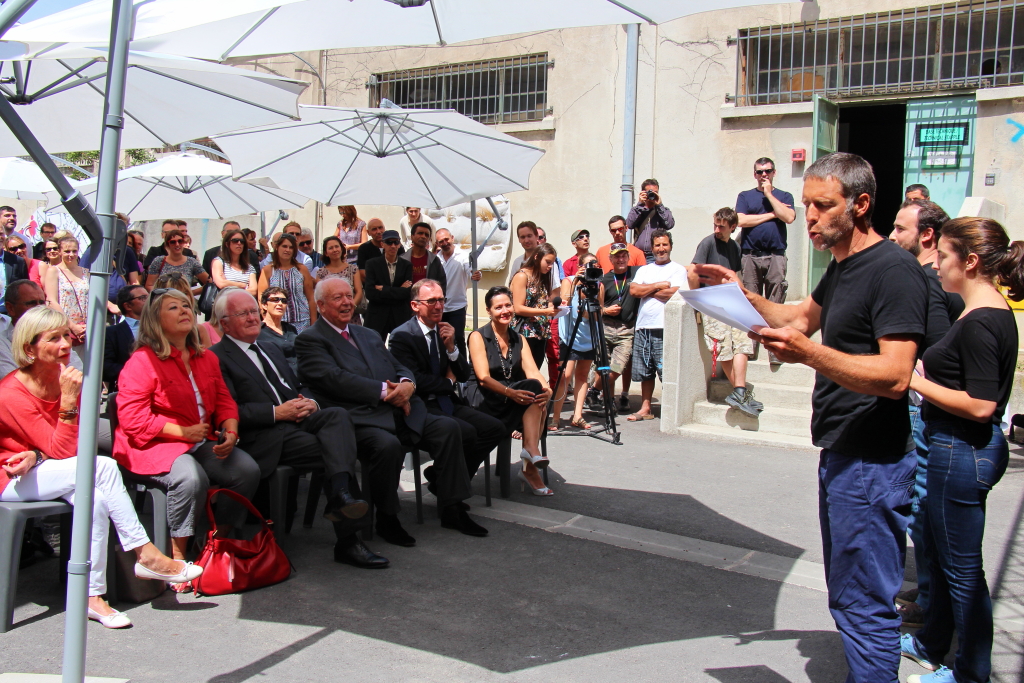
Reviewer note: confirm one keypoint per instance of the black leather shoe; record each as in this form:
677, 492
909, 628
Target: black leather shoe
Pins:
358, 555
454, 517
343, 506
391, 531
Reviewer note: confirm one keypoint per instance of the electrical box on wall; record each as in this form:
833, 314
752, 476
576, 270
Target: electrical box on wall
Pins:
798, 155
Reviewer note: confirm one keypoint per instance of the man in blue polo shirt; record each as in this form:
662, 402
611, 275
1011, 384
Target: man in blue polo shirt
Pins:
764, 213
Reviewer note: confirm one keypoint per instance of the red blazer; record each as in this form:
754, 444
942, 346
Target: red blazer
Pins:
153, 392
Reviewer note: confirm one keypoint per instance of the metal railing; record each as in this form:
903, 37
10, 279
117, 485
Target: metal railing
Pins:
956, 46
493, 91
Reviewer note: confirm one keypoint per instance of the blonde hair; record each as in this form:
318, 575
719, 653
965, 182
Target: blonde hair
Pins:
30, 326
151, 332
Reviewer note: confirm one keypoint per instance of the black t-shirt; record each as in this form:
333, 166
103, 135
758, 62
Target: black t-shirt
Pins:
616, 287
874, 293
979, 356
943, 310
715, 251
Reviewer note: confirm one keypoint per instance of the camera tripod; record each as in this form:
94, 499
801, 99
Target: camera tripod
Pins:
608, 432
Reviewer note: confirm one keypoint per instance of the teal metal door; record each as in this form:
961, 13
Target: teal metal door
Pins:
825, 127
940, 148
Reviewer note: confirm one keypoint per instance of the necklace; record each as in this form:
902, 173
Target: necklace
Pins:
506, 371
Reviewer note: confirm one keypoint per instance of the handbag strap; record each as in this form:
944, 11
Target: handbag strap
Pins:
237, 497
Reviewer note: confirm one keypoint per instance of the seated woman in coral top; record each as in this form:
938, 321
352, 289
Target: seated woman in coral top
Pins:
172, 407
38, 446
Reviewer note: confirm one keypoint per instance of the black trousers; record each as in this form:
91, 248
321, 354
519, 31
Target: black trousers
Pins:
457, 319
481, 433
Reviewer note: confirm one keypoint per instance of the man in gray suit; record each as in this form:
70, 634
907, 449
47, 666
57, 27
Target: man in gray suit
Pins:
348, 366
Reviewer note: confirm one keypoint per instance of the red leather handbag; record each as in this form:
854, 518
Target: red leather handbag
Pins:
233, 566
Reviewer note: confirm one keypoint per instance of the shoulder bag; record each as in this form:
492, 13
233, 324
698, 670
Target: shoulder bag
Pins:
232, 566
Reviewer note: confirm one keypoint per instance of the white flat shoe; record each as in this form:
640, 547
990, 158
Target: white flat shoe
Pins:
113, 620
535, 460
544, 491
188, 573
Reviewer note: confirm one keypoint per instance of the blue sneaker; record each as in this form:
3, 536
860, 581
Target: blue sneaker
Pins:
943, 675
910, 649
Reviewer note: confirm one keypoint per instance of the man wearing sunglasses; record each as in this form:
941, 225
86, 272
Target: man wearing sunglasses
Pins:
387, 287
20, 296
15, 266
120, 339
306, 245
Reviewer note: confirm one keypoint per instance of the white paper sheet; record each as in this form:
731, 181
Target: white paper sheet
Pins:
562, 312
726, 303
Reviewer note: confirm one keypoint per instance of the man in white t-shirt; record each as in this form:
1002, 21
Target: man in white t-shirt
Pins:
654, 284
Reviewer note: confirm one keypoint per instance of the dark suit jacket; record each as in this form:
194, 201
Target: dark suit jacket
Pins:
117, 349
16, 268
262, 436
409, 346
389, 306
340, 375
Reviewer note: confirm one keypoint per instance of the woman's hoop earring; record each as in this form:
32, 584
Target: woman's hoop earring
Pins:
31, 359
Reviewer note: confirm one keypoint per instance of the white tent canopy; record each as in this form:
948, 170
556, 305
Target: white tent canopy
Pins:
20, 179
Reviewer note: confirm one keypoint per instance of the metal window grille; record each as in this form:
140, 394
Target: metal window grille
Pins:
955, 46
493, 91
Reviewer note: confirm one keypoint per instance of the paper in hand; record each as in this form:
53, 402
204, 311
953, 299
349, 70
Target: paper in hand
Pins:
726, 303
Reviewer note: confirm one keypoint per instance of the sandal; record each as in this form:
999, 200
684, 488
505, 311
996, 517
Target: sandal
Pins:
554, 425
638, 418
580, 423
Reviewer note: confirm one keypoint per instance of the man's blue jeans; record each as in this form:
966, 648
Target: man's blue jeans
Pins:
919, 509
864, 509
962, 469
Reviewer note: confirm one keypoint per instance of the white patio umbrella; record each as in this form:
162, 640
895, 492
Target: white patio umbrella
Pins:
169, 99
403, 157
20, 179
186, 185
325, 24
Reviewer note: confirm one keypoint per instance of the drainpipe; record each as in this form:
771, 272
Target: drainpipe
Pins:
629, 118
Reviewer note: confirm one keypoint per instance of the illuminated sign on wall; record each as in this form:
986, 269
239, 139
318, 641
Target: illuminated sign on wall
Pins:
942, 134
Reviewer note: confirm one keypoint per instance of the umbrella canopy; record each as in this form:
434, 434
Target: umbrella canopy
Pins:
326, 24
169, 100
21, 179
189, 186
402, 157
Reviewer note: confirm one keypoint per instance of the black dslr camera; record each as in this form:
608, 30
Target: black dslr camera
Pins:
591, 276
652, 196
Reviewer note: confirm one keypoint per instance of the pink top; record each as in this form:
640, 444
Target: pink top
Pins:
215, 336
33, 271
28, 422
154, 392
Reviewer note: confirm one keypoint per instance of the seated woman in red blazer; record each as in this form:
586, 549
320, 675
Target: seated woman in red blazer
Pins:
38, 449
172, 406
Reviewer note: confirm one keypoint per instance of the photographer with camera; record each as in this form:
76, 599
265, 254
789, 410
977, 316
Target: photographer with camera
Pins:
648, 216
579, 349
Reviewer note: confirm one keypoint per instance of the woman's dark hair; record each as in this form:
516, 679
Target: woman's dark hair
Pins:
323, 250
533, 265
272, 290
285, 237
225, 250
496, 291
998, 257
172, 234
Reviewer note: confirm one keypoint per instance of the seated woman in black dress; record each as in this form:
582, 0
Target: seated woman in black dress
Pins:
511, 387
274, 329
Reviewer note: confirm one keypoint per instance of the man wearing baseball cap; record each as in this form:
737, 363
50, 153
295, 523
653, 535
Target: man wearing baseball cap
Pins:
388, 285
581, 240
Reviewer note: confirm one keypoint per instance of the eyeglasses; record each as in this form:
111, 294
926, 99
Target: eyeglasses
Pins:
236, 240
140, 296
393, 243
431, 302
306, 243
277, 299
32, 303
245, 314
764, 171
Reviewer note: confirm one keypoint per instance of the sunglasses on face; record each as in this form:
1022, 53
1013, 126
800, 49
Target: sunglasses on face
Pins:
306, 243
393, 243
175, 242
236, 240
764, 171
277, 299
53, 249
20, 247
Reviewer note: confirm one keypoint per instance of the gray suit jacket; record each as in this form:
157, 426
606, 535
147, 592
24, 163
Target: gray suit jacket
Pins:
340, 375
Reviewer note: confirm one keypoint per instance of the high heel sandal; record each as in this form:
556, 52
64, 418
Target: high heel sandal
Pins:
535, 460
543, 491
580, 423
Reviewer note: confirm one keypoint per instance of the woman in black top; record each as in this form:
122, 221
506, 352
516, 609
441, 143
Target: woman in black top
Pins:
274, 329
511, 387
966, 385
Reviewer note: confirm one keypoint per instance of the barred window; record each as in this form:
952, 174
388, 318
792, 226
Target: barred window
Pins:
956, 46
492, 91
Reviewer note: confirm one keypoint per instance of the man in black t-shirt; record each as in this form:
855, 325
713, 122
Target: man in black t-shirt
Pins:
871, 309
916, 229
727, 344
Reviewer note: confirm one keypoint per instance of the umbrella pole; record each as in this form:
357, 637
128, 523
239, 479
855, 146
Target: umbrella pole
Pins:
81, 534
472, 258
629, 119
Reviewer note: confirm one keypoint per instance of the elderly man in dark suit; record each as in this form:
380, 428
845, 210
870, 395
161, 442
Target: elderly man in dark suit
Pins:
280, 426
120, 339
387, 286
427, 346
348, 366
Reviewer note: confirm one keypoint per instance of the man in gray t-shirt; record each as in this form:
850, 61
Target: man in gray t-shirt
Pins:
727, 344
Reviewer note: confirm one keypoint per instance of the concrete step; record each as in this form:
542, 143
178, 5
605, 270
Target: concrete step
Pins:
771, 395
761, 372
790, 421
739, 436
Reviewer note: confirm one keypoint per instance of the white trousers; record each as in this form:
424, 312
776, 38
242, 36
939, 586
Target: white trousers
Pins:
54, 479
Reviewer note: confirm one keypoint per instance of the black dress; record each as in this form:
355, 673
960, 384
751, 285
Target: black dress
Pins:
509, 371
285, 342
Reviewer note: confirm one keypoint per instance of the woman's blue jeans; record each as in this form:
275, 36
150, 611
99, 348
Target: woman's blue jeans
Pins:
962, 468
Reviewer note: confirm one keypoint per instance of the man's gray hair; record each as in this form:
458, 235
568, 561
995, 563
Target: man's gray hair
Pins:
318, 291
853, 173
305, 232
414, 293
220, 305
